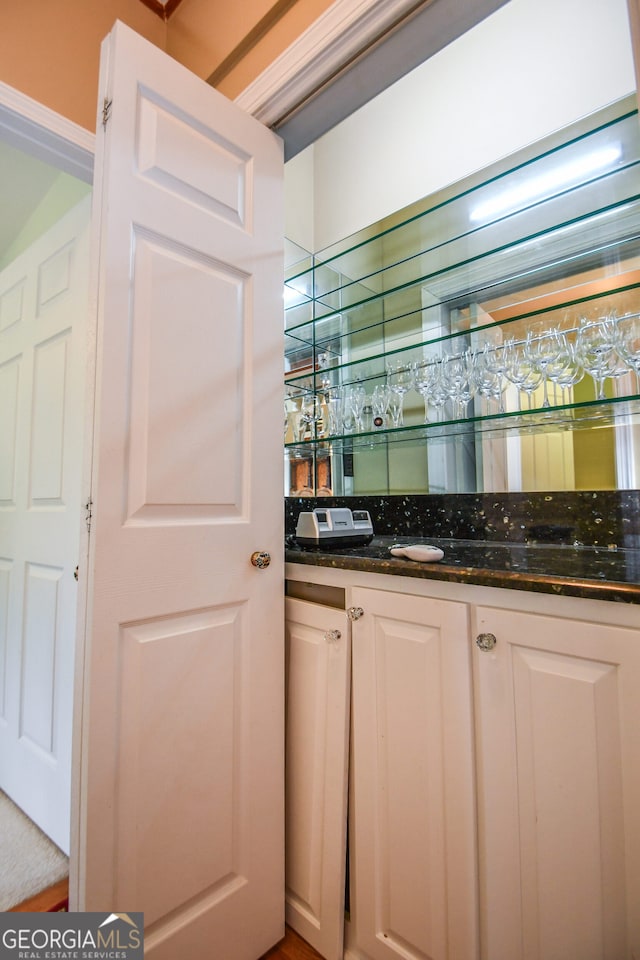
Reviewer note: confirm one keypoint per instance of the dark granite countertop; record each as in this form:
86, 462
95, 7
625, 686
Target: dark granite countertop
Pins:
593, 572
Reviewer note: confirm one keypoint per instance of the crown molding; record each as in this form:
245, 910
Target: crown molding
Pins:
48, 135
332, 41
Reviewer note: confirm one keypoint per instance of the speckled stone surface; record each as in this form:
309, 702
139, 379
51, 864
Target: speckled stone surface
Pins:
584, 518
584, 544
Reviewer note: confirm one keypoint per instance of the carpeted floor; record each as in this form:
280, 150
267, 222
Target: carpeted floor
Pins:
29, 861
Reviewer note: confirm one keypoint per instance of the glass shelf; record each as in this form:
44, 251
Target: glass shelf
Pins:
589, 172
611, 412
551, 236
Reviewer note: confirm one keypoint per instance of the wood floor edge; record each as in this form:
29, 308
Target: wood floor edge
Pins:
52, 900
293, 947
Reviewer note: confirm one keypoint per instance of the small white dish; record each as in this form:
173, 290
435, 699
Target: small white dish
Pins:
422, 552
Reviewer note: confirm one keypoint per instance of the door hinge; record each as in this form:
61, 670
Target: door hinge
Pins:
106, 111
88, 514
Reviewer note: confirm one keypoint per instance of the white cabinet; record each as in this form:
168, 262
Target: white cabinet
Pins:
558, 735
412, 834
494, 794
316, 752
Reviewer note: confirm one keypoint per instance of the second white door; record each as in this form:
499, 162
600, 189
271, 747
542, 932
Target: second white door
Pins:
43, 315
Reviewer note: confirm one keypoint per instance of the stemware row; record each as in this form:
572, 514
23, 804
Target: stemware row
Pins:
551, 359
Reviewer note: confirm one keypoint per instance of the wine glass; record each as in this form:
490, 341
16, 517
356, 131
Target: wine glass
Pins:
380, 404
521, 372
400, 381
457, 381
531, 380
395, 407
488, 382
565, 371
437, 395
354, 402
542, 347
497, 361
596, 349
428, 383
311, 416
298, 424
628, 340
334, 404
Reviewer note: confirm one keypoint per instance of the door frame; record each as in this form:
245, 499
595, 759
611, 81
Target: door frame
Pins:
34, 128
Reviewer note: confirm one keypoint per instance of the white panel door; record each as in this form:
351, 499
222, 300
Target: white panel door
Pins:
181, 807
43, 313
318, 658
412, 813
558, 723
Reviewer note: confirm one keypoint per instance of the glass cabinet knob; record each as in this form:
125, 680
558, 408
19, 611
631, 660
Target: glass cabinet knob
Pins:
354, 613
486, 641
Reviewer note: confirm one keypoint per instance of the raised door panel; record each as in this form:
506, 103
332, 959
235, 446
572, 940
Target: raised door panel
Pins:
9, 396
180, 802
413, 888
558, 788
317, 736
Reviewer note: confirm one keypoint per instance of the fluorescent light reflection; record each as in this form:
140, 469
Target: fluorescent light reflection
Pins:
293, 297
536, 187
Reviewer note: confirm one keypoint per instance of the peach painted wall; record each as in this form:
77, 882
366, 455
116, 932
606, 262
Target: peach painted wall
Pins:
50, 49
202, 33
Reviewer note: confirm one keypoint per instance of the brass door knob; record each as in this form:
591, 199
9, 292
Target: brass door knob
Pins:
260, 559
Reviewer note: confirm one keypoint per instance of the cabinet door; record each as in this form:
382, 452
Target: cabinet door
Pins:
558, 722
317, 734
412, 835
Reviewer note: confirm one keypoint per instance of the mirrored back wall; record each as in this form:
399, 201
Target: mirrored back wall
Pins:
487, 339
